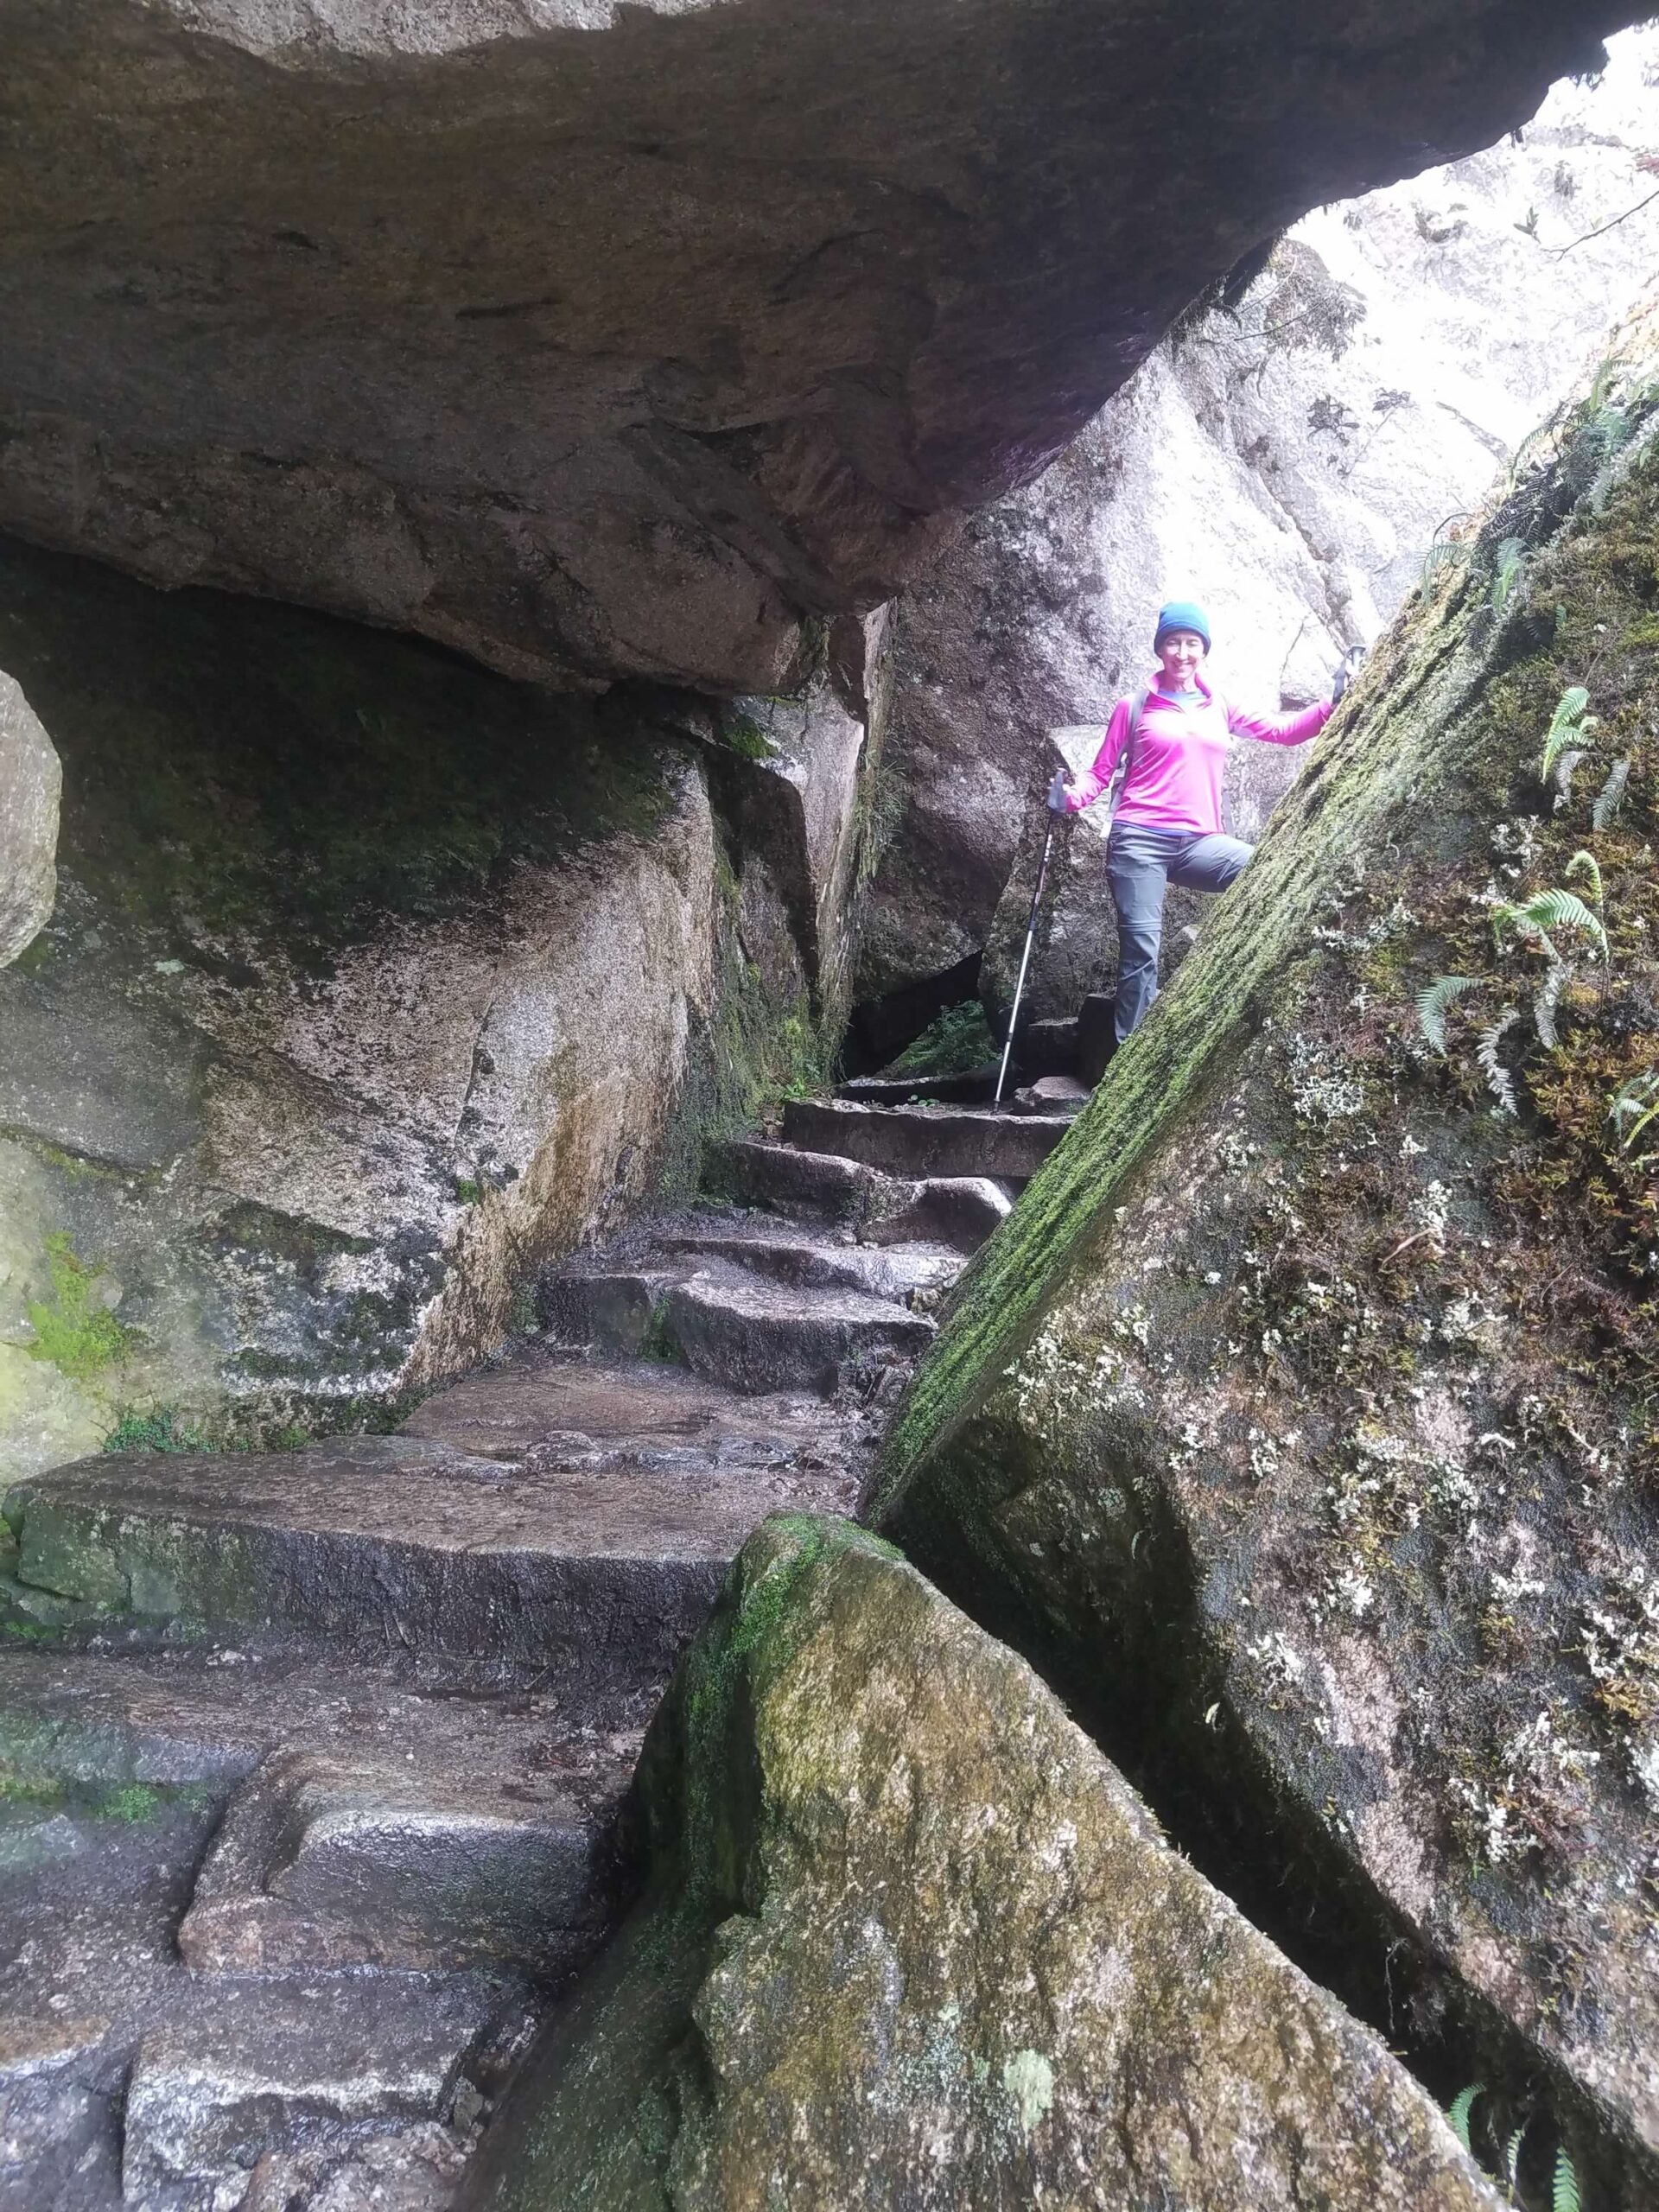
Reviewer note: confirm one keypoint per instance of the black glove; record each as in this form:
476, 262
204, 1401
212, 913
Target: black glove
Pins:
1057, 792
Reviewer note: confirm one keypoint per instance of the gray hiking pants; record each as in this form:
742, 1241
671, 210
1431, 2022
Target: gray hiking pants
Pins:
1139, 861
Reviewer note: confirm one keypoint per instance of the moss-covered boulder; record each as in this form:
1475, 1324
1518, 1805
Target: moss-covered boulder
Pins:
911, 1941
373, 982
1302, 1421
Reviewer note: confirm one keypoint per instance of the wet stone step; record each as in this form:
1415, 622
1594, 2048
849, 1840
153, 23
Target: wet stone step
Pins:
958, 1210
327, 1862
257, 2067
544, 1403
399, 1545
757, 1337
804, 1185
924, 1140
895, 1273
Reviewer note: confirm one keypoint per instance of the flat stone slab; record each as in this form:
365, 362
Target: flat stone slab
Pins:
756, 1336
330, 1862
924, 1140
261, 2068
960, 1210
893, 1273
542, 1404
804, 1183
395, 1544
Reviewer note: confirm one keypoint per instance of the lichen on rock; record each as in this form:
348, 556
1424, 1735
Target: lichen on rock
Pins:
910, 1939
1310, 1389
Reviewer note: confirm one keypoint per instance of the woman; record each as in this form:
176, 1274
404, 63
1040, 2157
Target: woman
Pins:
1167, 826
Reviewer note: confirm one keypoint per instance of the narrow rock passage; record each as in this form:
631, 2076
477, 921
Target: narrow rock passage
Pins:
311, 1762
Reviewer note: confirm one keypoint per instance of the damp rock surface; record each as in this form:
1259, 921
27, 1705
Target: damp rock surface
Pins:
1304, 1396
912, 1938
604, 341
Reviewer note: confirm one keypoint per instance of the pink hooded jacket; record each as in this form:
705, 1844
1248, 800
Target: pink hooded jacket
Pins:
1174, 778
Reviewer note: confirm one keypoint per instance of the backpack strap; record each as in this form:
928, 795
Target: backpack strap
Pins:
1126, 766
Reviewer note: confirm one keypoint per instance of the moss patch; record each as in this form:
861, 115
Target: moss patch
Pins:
73, 1328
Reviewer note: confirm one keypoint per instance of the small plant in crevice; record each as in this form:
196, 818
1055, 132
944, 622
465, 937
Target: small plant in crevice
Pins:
955, 1042
1570, 725
1503, 2162
1507, 567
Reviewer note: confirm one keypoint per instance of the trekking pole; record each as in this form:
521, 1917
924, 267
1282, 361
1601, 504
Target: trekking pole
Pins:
1056, 800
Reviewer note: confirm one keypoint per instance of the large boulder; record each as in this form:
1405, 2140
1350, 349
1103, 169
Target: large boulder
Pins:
911, 1940
1287, 461
1300, 1421
601, 339
374, 982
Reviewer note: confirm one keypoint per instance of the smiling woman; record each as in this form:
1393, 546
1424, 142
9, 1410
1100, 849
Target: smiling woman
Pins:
1166, 748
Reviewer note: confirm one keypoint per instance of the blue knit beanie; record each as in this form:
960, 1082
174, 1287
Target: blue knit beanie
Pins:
1181, 615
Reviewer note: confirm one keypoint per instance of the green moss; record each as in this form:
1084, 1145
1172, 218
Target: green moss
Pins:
467, 1192
745, 737
162, 1429
73, 1329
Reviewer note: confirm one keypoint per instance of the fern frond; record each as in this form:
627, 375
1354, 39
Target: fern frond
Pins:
1568, 723
1444, 553
1637, 1102
1497, 1076
1564, 2189
1545, 911
1546, 1001
1566, 769
1457, 2113
1506, 571
1584, 863
1512, 2158
1611, 795
1431, 1003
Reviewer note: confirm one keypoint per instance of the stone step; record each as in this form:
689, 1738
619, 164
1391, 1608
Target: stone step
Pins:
584, 1576
1060, 1094
924, 1140
973, 1089
754, 1336
328, 1862
804, 1185
255, 2069
958, 1210
896, 1271
543, 1402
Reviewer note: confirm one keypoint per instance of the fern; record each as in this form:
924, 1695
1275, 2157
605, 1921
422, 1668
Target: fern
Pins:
1547, 909
1512, 2159
1433, 1000
1497, 1076
1564, 2189
1444, 553
1458, 2111
1506, 572
1546, 1001
1611, 795
1568, 723
1584, 863
1637, 1102
1566, 769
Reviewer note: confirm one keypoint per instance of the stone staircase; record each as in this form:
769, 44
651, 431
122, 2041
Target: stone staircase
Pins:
310, 1763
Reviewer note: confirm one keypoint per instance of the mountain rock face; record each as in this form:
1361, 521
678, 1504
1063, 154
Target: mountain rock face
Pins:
604, 341
373, 982
911, 1940
1288, 462
1300, 1421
